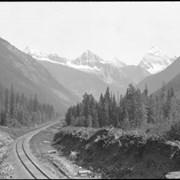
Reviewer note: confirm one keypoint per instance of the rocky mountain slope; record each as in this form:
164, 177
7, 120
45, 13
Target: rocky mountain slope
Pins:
154, 82
155, 60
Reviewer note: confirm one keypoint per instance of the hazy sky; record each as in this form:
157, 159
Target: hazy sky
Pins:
125, 30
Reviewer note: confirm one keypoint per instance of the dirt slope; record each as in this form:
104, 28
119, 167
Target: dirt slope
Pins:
124, 156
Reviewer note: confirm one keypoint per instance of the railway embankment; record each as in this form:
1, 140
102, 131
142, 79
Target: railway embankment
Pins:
113, 153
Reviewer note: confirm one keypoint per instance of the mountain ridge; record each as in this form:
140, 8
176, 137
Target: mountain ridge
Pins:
28, 76
155, 81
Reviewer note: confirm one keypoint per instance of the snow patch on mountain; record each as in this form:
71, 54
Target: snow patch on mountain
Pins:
155, 60
52, 57
34, 52
84, 68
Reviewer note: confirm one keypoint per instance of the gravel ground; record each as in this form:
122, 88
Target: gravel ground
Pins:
6, 167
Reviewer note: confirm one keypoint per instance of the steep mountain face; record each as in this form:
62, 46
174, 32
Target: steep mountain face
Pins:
28, 76
94, 61
154, 82
88, 59
77, 81
155, 61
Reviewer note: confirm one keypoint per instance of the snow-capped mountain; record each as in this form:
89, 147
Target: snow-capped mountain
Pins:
155, 81
87, 62
90, 73
155, 60
110, 71
88, 59
94, 61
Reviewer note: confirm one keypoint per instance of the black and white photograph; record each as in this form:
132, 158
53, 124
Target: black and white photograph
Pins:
90, 90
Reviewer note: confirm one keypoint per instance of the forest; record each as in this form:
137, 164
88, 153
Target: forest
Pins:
17, 110
158, 112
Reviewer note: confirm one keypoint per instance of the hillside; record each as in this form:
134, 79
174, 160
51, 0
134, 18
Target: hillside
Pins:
175, 84
28, 76
77, 81
115, 154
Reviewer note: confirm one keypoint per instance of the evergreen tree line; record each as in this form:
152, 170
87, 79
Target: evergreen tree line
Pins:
133, 110
16, 110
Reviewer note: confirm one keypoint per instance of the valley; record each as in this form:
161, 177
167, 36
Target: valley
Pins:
89, 90
85, 79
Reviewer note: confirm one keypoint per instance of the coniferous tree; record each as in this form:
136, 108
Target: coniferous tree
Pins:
12, 101
114, 112
101, 114
6, 101
106, 109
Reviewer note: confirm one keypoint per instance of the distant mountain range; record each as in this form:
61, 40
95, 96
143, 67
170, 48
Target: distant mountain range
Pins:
62, 82
90, 73
28, 76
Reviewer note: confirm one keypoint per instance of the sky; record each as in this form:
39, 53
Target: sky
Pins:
125, 30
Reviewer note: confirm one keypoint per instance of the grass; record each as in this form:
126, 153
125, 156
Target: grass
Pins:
116, 133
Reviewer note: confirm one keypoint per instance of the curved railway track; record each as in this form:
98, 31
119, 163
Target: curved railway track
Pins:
33, 168
28, 163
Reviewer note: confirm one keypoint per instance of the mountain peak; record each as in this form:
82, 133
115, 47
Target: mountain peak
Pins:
155, 60
88, 59
34, 52
154, 50
88, 52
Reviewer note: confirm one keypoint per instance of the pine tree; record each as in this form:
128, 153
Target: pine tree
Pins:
89, 121
35, 103
151, 110
106, 107
101, 114
93, 111
114, 112
12, 101
3, 118
173, 112
6, 101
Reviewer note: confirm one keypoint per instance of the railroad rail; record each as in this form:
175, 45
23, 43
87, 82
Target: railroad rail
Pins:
28, 163
33, 168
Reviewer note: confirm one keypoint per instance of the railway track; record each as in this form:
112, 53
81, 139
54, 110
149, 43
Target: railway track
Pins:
30, 164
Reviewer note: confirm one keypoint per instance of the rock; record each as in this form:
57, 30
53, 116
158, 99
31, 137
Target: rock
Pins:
173, 175
84, 172
52, 151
